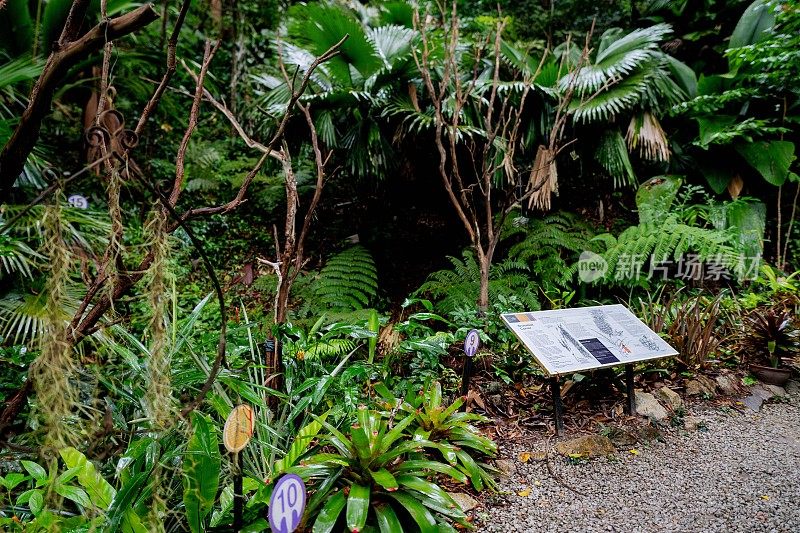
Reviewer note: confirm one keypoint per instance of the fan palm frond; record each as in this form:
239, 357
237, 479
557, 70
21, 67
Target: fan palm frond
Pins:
393, 43
646, 134
612, 155
16, 256
320, 26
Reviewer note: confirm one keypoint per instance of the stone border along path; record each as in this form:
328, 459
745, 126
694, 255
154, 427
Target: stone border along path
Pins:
740, 471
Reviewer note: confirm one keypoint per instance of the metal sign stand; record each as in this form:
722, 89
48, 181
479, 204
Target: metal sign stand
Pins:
471, 344
558, 404
238, 497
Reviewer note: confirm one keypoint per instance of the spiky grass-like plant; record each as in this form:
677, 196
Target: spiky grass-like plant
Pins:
53, 371
159, 401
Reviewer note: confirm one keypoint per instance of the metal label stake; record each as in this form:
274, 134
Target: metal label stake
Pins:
471, 345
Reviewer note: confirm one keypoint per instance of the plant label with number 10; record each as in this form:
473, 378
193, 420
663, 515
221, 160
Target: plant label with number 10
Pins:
471, 343
238, 428
287, 503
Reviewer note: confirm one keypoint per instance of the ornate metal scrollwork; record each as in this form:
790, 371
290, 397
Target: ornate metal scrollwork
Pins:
110, 131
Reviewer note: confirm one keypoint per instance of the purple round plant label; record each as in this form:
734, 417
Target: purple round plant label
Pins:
287, 503
471, 343
78, 201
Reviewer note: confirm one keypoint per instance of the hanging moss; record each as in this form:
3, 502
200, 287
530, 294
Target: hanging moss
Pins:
159, 401
54, 369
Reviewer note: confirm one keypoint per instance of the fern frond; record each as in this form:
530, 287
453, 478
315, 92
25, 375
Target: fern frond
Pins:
348, 281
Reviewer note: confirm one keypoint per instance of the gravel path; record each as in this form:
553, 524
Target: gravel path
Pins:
742, 473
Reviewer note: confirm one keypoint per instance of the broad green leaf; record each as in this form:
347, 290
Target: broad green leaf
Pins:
385, 479
395, 433
358, 435
299, 445
387, 519
418, 467
124, 499
36, 502
36, 471
756, 19
201, 468
421, 515
11, 480
772, 159
322, 492
374, 325
100, 491
655, 196
131, 523
433, 496
712, 127
75, 494
357, 507
326, 520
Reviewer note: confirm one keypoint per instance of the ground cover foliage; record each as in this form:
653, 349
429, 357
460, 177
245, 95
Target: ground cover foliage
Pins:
305, 207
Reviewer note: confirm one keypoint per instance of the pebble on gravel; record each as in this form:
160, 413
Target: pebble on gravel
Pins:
647, 405
701, 386
728, 384
588, 446
464, 501
507, 468
669, 397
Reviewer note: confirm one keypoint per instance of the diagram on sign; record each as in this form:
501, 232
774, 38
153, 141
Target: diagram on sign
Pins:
569, 340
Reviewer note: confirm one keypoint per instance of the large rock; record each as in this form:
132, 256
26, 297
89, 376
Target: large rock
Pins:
464, 501
753, 402
777, 392
670, 398
587, 446
647, 405
728, 384
701, 386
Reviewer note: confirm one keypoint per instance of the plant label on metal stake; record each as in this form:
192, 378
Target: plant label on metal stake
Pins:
76, 200
472, 343
238, 428
287, 504
236, 434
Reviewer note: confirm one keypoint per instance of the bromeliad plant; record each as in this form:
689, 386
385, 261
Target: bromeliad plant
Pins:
450, 428
772, 335
378, 474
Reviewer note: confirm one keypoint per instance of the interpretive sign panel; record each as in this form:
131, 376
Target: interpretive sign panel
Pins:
571, 340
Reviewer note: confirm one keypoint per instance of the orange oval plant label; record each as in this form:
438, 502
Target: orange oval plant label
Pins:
238, 428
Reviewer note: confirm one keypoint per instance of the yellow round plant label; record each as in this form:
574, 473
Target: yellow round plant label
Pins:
238, 428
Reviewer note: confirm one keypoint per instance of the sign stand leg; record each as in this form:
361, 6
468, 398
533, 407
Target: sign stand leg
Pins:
465, 377
238, 508
558, 406
631, 407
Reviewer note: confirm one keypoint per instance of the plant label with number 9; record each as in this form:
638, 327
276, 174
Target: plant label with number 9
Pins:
287, 503
471, 343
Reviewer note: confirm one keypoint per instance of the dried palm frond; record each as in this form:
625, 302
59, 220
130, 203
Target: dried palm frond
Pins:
646, 134
544, 172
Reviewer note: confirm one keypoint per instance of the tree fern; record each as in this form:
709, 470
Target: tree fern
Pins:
666, 241
459, 287
549, 247
348, 281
